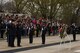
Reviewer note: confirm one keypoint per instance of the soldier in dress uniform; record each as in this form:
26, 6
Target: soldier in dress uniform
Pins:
31, 33
73, 27
19, 33
44, 29
11, 31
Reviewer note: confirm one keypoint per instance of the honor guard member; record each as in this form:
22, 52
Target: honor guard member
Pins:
11, 31
19, 33
43, 33
73, 27
31, 33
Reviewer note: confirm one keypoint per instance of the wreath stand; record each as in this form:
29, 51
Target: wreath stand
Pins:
63, 41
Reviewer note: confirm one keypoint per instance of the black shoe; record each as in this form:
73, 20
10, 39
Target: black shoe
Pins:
12, 46
9, 46
74, 40
43, 43
19, 46
31, 42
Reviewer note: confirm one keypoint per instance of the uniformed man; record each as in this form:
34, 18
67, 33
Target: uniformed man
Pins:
43, 33
19, 33
11, 31
31, 33
73, 31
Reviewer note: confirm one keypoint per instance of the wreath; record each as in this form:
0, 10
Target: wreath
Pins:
63, 35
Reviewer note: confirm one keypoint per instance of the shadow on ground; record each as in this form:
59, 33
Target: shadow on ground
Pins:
33, 47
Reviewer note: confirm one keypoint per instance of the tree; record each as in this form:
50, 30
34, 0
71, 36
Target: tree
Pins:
19, 5
9, 7
1, 5
68, 13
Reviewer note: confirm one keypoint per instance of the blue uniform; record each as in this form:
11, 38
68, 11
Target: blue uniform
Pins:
31, 33
43, 34
19, 34
74, 32
11, 31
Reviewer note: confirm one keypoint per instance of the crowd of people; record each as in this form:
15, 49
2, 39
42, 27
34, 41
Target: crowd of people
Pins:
16, 26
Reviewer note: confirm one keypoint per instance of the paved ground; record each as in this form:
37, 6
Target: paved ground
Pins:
52, 46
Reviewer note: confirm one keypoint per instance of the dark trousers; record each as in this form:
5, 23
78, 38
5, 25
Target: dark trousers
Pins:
74, 37
11, 39
2, 33
18, 40
30, 38
43, 38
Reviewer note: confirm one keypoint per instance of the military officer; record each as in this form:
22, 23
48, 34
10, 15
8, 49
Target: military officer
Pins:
73, 26
19, 33
31, 33
11, 31
44, 29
